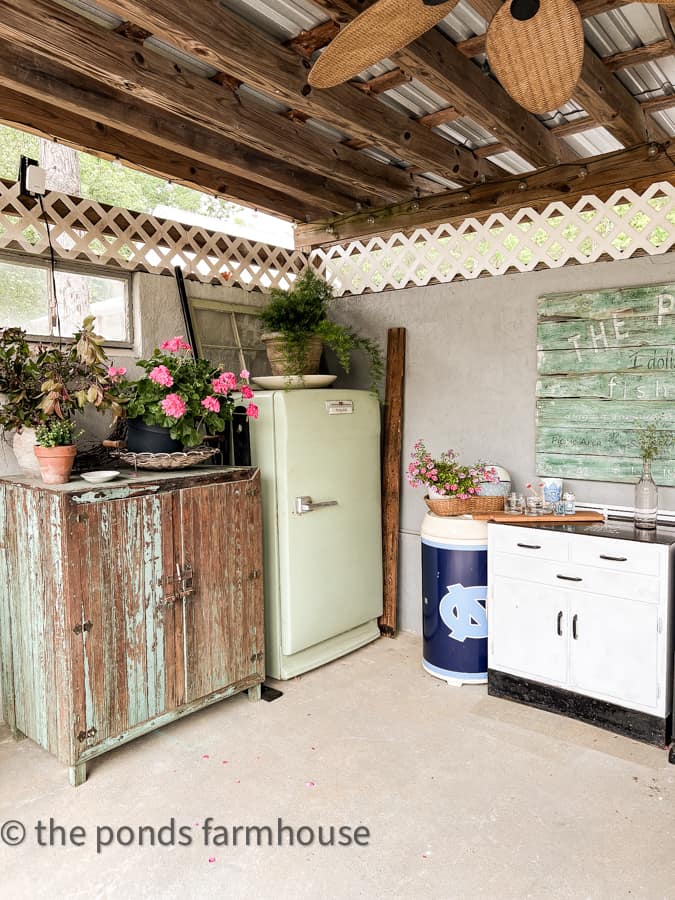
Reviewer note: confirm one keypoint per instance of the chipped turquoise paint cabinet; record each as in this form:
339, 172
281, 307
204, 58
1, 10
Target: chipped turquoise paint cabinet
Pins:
126, 607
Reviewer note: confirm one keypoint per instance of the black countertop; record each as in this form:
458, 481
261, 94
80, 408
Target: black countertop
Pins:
614, 528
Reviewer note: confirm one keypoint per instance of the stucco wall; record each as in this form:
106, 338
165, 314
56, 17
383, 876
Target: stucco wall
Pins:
471, 376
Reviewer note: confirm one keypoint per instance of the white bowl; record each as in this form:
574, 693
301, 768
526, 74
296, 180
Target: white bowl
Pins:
99, 477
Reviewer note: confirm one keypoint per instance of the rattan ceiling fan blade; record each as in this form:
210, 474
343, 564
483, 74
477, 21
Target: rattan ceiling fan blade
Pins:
376, 33
537, 58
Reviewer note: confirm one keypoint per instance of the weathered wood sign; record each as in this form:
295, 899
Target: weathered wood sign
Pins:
606, 365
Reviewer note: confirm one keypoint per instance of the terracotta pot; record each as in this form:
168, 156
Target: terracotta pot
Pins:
23, 445
56, 463
275, 343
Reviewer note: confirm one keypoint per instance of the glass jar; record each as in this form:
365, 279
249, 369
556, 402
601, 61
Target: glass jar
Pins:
646, 498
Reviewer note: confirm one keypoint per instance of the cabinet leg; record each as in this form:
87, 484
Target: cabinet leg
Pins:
254, 693
77, 775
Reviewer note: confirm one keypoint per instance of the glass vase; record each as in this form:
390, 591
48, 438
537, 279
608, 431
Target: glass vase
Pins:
646, 498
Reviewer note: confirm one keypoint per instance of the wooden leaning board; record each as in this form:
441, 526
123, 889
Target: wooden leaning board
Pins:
515, 519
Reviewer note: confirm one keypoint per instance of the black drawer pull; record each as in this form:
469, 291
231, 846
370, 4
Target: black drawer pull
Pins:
575, 633
559, 628
569, 578
530, 546
614, 558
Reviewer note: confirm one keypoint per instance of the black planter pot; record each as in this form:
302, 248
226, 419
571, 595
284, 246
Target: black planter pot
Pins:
142, 438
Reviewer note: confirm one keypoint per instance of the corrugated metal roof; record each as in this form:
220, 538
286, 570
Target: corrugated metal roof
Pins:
281, 18
623, 29
593, 142
512, 162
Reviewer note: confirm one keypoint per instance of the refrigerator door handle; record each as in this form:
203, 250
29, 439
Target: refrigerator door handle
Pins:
306, 505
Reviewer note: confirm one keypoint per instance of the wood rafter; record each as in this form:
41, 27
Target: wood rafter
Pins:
638, 55
308, 42
440, 117
435, 62
219, 37
149, 76
85, 134
636, 168
38, 78
385, 82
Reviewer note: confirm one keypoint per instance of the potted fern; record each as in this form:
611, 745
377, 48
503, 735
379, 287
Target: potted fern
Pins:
297, 326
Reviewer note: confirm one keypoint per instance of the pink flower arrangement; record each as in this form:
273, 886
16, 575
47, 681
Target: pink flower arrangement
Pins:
445, 475
174, 345
212, 404
116, 372
174, 406
161, 375
189, 396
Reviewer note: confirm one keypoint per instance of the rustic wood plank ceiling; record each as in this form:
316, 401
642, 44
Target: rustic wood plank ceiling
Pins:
203, 94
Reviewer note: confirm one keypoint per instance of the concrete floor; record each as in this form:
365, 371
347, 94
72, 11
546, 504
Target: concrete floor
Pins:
465, 796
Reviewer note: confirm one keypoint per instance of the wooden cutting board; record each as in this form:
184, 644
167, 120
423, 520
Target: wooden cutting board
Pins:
511, 519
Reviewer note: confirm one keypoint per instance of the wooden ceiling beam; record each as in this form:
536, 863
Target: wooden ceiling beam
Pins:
639, 55
82, 133
388, 81
610, 103
219, 37
575, 126
38, 78
440, 117
636, 168
435, 62
308, 42
656, 104
142, 73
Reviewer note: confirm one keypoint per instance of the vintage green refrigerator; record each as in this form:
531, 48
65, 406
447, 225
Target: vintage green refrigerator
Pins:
319, 455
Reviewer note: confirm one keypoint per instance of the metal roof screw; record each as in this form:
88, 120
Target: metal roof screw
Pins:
653, 150
522, 186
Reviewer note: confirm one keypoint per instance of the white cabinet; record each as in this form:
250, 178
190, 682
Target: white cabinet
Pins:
614, 649
523, 610
573, 616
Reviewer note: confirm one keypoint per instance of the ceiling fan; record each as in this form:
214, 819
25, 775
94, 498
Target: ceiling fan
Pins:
534, 47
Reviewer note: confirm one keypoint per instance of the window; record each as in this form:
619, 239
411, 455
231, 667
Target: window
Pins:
228, 334
81, 291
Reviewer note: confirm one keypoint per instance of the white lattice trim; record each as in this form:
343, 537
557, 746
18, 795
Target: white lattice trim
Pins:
627, 224
97, 233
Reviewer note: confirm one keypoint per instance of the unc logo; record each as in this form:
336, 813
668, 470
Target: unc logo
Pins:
463, 613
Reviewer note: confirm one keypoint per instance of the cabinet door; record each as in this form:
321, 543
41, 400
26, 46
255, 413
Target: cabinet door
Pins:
528, 627
127, 668
615, 651
221, 539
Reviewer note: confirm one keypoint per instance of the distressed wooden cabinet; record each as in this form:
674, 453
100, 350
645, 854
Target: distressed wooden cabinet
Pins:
125, 607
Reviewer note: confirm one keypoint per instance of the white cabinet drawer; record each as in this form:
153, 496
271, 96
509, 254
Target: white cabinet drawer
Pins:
529, 542
615, 556
575, 577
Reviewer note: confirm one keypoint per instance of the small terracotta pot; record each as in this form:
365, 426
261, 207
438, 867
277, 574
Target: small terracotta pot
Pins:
274, 343
56, 463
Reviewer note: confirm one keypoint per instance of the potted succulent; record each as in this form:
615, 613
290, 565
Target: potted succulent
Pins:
297, 326
55, 449
180, 400
45, 380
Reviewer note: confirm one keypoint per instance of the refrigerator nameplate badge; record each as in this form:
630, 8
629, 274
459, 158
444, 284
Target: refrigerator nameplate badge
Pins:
339, 407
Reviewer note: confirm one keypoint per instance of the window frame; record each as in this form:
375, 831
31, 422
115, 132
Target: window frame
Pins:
41, 261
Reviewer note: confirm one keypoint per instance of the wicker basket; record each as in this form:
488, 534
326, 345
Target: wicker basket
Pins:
453, 506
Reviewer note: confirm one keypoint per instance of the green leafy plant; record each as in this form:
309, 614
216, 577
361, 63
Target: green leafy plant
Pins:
56, 433
301, 313
48, 380
190, 397
652, 439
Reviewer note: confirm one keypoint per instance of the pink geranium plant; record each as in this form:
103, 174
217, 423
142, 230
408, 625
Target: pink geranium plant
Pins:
191, 397
445, 475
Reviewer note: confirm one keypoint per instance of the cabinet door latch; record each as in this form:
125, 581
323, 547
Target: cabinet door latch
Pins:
83, 627
83, 735
256, 656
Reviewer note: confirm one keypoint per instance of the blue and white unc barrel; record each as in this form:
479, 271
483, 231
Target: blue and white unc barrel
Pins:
454, 597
